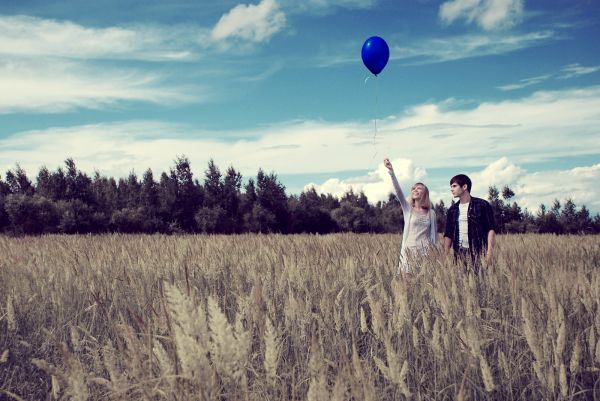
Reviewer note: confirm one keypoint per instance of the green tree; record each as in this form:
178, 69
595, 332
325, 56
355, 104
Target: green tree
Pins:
149, 194
547, 220
584, 223
271, 197
129, 191
230, 202
43, 185
4, 191
247, 203
261, 220
308, 215
31, 215
329, 202
150, 203
106, 200
440, 215
56, 188
213, 185
497, 208
18, 183
210, 220
188, 194
391, 215
78, 184
167, 196
76, 217
350, 218
129, 220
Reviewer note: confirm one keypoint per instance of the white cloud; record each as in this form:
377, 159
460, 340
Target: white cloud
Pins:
56, 86
377, 184
467, 46
531, 189
535, 188
488, 14
254, 23
535, 129
325, 6
498, 173
35, 37
51, 66
443, 49
447, 48
576, 70
523, 83
580, 184
567, 72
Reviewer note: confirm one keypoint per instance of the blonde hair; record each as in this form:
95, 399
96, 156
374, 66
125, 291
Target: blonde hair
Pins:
425, 201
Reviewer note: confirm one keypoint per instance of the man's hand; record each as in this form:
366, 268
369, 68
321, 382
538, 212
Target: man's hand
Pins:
491, 244
447, 245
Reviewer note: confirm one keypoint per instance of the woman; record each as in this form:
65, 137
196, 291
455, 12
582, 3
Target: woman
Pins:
420, 229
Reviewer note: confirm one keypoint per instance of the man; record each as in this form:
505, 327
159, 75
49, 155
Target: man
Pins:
469, 225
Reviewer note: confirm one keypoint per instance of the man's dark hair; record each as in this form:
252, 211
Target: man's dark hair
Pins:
461, 180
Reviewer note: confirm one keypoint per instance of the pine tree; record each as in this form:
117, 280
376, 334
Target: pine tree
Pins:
271, 198
189, 195
18, 183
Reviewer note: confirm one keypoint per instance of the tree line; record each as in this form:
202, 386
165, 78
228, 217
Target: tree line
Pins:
71, 202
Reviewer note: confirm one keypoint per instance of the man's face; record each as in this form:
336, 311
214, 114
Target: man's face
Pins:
457, 190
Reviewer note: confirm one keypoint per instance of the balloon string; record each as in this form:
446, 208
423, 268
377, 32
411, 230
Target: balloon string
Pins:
375, 117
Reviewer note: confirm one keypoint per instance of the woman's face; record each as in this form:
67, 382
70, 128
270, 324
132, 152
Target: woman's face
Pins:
417, 192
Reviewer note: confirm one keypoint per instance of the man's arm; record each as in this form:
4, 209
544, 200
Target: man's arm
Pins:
448, 231
447, 244
491, 235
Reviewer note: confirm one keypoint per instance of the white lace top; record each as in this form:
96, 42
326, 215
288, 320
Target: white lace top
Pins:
418, 232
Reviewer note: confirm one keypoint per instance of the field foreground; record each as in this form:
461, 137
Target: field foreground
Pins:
257, 317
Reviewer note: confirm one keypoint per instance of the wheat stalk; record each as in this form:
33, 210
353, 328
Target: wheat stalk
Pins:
10, 315
272, 349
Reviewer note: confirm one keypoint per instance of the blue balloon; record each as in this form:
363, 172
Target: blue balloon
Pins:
375, 54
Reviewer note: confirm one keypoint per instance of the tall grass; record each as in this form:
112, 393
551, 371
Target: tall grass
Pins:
255, 317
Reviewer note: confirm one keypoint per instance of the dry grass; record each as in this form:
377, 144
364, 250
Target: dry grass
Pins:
256, 317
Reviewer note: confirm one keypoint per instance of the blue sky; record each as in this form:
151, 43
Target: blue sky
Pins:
507, 91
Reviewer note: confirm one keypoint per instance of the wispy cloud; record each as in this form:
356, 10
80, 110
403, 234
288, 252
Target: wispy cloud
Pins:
569, 71
35, 37
325, 6
523, 83
250, 22
467, 46
269, 71
446, 48
50, 66
576, 70
488, 14
51, 86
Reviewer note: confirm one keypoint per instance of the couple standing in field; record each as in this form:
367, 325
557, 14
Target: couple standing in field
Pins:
469, 224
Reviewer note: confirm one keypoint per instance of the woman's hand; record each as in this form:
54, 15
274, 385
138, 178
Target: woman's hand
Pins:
388, 164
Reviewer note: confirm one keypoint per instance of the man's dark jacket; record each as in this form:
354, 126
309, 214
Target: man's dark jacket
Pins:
480, 219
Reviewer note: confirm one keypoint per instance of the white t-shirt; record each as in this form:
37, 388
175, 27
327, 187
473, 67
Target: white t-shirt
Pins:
463, 225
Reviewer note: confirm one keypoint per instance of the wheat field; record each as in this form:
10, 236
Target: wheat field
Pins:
273, 317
